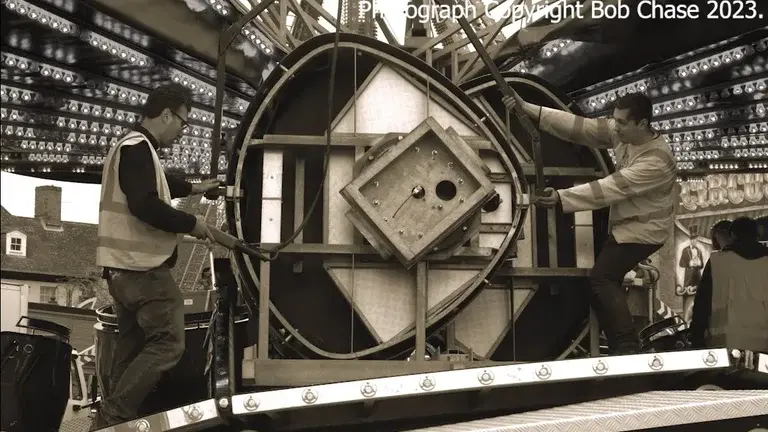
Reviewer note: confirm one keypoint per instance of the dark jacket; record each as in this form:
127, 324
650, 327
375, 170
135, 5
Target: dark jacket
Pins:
702, 305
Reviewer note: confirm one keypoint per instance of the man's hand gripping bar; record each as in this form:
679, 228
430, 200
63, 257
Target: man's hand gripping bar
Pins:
230, 242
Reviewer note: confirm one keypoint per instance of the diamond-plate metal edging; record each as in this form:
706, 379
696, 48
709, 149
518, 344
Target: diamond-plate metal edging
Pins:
635, 412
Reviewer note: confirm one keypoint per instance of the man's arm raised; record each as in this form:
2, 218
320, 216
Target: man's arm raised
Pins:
594, 133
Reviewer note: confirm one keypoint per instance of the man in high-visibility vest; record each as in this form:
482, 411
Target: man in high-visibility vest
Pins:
139, 232
731, 305
641, 196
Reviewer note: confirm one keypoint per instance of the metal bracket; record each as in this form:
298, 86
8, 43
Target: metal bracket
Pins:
222, 373
225, 40
231, 193
533, 132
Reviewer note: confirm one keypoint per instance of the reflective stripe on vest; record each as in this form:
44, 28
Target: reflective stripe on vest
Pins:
739, 302
657, 214
125, 242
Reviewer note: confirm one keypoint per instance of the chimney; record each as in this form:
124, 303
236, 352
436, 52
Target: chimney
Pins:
48, 205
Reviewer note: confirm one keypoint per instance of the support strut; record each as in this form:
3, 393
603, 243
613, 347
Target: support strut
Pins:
505, 88
225, 40
222, 372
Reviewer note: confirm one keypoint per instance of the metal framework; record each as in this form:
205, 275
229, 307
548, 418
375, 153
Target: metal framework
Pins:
677, 407
443, 391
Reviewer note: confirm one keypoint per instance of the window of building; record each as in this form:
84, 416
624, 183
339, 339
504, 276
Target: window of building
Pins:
48, 294
16, 244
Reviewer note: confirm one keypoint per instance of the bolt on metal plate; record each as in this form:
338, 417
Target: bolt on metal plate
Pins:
656, 363
485, 377
142, 426
251, 404
600, 367
368, 390
427, 383
309, 396
544, 372
710, 358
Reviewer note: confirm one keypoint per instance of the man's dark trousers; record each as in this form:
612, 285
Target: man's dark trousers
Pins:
150, 319
608, 297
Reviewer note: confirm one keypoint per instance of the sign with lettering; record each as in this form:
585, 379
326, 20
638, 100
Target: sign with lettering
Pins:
723, 191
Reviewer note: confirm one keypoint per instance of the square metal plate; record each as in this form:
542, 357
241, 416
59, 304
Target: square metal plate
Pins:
417, 192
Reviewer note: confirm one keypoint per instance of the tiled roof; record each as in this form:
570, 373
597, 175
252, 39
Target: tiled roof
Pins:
69, 251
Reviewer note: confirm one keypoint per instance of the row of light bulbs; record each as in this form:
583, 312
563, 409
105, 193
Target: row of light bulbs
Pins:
697, 102
710, 134
46, 157
705, 63
744, 141
28, 132
728, 57
41, 15
174, 161
10, 94
99, 111
186, 143
253, 35
193, 84
116, 49
250, 32
203, 169
19, 132
549, 50
123, 94
122, 52
43, 145
49, 71
724, 166
751, 152
718, 154
126, 95
710, 117
725, 143
198, 151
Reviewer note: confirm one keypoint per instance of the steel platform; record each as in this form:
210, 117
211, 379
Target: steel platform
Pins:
436, 395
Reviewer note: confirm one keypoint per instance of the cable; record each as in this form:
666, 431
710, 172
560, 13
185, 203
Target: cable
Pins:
273, 253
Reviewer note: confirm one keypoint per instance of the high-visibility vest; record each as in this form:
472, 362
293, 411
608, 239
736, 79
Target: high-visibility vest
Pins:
739, 302
642, 193
125, 242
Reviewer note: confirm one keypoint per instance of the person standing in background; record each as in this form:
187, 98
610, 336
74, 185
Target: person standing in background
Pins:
721, 235
732, 300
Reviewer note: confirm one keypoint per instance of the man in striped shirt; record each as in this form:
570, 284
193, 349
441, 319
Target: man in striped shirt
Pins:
641, 195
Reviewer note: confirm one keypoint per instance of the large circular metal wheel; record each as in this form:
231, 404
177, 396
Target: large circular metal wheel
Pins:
332, 296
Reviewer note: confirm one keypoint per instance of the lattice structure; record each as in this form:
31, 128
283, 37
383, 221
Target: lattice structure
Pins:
357, 18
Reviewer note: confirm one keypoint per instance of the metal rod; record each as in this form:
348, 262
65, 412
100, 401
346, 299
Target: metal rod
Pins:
225, 41
507, 91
